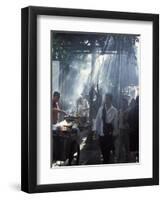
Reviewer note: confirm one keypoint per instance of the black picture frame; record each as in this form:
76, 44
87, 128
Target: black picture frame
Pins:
29, 99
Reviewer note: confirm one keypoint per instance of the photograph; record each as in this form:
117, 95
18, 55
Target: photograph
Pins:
94, 98
90, 99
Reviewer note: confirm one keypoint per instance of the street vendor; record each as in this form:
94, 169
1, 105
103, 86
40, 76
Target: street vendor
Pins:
55, 107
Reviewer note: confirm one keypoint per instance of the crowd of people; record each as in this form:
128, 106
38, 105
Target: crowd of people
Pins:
118, 130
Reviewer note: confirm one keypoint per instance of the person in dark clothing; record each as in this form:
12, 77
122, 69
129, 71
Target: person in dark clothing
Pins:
124, 133
133, 120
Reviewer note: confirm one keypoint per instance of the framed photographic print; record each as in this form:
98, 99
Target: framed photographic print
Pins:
90, 99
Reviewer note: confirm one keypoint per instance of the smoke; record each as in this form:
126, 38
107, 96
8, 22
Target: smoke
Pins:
115, 72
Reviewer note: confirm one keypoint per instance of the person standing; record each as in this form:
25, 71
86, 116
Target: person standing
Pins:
124, 131
106, 125
55, 107
133, 120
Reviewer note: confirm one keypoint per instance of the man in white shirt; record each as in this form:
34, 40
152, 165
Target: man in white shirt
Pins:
106, 127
